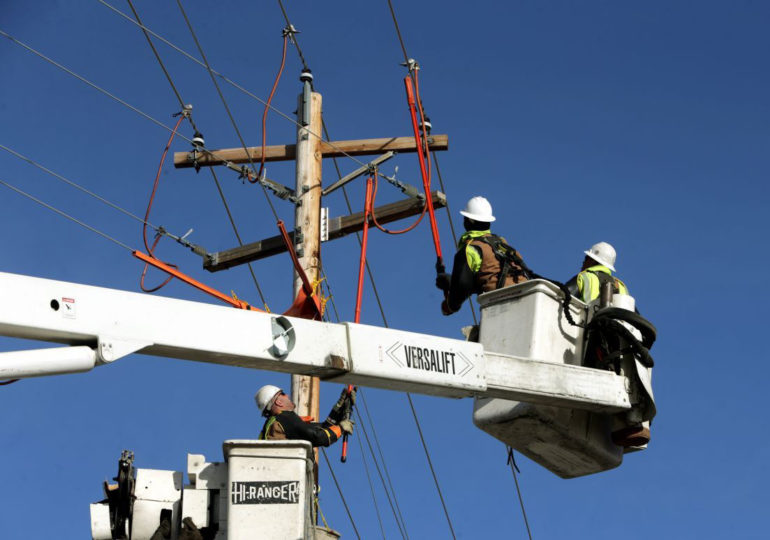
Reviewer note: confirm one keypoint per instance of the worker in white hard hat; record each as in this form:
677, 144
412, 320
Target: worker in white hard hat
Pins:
484, 261
597, 269
283, 423
596, 273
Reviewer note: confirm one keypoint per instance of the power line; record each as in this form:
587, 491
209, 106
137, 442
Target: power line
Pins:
382, 480
384, 464
237, 234
294, 37
224, 102
430, 463
66, 215
188, 115
339, 490
514, 468
78, 186
398, 31
231, 82
371, 486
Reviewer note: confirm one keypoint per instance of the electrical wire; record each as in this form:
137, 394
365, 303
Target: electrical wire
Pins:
398, 32
224, 103
339, 490
9, 381
287, 33
382, 479
514, 468
158, 236
294, 37
162, 65
188, 114
371, 486
78, 187
233, 83
64, 214
382, 459
237, 235
430, 464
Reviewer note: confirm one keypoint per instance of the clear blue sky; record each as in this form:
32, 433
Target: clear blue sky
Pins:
642, 124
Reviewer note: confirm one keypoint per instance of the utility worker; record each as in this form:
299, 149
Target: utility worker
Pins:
595, 274
283, 423
598, 265
483, 263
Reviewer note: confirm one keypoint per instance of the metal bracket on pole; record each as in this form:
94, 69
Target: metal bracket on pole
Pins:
325, 224
363, 169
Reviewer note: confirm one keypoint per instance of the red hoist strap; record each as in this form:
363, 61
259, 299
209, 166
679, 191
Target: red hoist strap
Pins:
421, 150
306, 305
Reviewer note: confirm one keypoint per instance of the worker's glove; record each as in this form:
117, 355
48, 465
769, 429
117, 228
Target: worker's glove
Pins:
347, 426
445, 309
189, 530
338, 411
443, 282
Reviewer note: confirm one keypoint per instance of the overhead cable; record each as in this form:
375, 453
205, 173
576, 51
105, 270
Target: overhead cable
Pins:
294, 37
514, 468
78, 187
66, 215
224, 102
182, 104
339, 490
371, 486
188, 114
232, 83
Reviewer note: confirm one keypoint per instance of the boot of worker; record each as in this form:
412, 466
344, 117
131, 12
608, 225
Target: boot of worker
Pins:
632, 436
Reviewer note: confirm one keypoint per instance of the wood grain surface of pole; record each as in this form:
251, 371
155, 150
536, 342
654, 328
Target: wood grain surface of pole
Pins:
306, 390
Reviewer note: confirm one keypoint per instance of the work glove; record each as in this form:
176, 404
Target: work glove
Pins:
338, 411
443, 282
347, 426
445, 309
189, 530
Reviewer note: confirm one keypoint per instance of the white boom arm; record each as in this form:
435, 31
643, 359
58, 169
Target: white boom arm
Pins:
100, 325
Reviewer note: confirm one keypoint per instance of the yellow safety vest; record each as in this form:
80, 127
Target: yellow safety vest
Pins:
589, 285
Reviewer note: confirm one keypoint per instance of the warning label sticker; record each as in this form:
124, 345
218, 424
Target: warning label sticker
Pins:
68, 308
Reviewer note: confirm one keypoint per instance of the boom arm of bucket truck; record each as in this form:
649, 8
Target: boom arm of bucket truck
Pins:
98, 326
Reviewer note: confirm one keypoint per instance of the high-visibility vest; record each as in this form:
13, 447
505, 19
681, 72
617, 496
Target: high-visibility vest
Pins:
485, 264
589, 283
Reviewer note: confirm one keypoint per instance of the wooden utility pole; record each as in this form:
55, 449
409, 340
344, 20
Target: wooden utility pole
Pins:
305, 390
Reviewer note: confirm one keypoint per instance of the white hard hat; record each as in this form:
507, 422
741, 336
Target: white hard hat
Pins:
478, 209
264, 396
603, 253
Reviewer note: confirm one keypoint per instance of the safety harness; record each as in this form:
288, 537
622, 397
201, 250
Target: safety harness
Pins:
510, 262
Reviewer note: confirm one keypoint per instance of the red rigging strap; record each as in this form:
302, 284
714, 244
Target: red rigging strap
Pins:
173, 272
422, 150
306, 305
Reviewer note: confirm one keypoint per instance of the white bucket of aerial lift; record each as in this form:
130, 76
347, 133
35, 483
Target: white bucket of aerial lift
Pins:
269, 486
527, 321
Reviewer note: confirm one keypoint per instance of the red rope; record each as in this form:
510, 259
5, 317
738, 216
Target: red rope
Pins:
151, 250
267, 107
